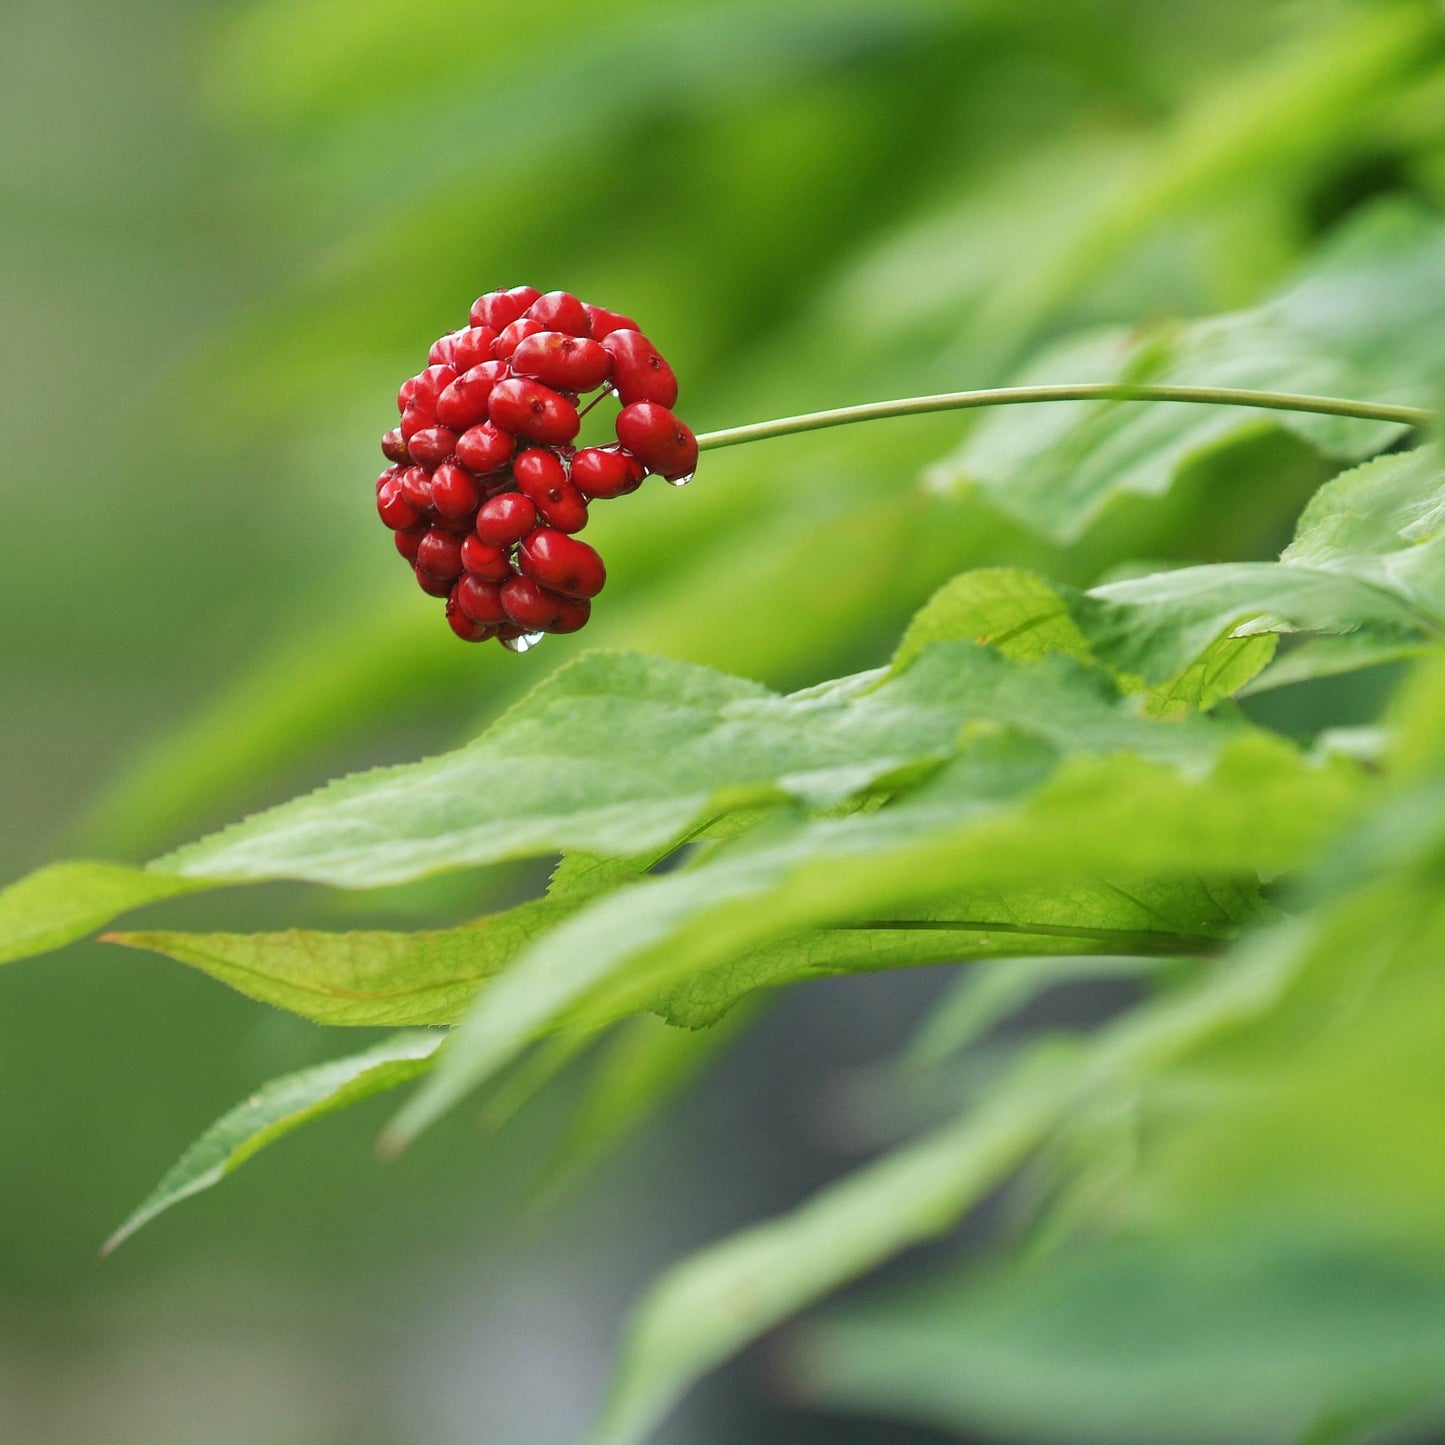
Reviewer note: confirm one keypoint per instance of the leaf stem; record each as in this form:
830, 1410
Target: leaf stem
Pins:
1413, 416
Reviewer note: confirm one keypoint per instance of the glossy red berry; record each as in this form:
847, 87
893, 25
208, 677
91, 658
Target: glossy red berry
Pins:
485, 448
431, 446
472, 346
506, 519
658, 439
486, 488
638, 371
439, 554
542, 477
497, 309
562, 563
605, 322
432, 586
538, 609
480, 600
561, 311
416, 418
392, 505
416, 486
604, 472
513, 336
454, 491
464, 403
527, 408
466, 627
569, 363
423, 389
408, 541
491, 564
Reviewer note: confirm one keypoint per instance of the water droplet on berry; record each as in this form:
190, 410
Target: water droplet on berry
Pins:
680, 481
525, 642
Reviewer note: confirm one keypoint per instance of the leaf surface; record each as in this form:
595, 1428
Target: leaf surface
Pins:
275, 1110
1365, 319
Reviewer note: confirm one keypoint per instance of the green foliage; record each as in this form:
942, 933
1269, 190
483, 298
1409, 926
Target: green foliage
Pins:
1364, 320
275, 1110
1038, 720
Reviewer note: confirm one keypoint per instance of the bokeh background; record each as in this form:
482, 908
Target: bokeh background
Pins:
226, 232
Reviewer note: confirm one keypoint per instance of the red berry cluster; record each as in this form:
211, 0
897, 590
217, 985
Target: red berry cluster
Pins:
485, 490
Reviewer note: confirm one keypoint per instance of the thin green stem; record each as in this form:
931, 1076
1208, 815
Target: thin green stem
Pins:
1089, 391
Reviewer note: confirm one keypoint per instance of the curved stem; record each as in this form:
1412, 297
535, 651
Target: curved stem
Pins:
1089, 391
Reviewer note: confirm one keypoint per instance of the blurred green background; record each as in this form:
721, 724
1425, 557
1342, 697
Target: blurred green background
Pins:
226, 233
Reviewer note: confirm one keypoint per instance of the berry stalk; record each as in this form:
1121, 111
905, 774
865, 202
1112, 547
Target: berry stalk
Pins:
1087, 391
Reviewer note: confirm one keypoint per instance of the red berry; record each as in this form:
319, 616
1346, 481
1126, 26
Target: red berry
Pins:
497, 309
432, 445
424, 388
512, 336
605, 322
439, 554
467, 628
416, 486
415, 418
491, 564
458, 526
408, 541
539, 471
542, 478
489, 526
506, 519
567, 513
391, 503
472, 346
432, 586
638, 371
534, 607
530, 409
562, 563
464, 403
569, 363
606, 472
485, 448
561, 311
657, 439
481, 601
454, 491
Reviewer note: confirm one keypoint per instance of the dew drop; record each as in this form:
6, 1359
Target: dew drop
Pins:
680, 481
525, 643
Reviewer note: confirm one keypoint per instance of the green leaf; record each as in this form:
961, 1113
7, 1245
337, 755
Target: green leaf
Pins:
713, 1304
62, 902
619, 753
707, 1308
1020, 613
1254, 1335
1045, 925
1260, 809
372, 978
1365, 319
381, 978
275, 1110
1368, 555
1025, 616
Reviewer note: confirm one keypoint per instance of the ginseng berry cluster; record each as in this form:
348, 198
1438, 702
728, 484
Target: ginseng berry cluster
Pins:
486, 491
